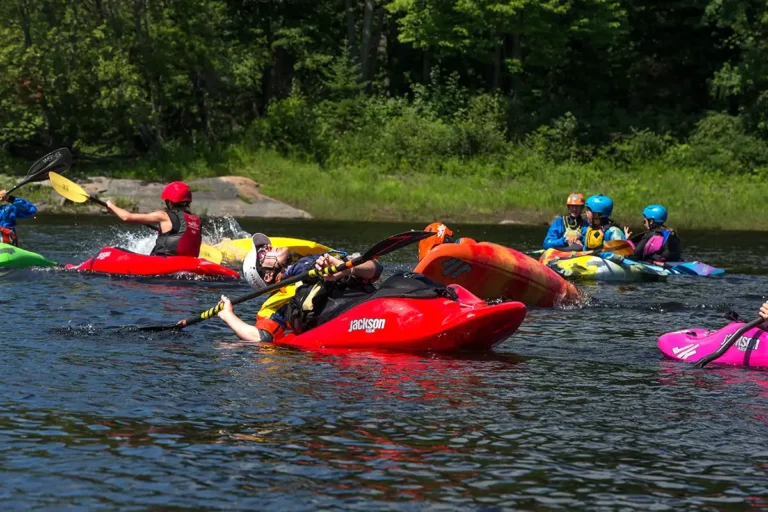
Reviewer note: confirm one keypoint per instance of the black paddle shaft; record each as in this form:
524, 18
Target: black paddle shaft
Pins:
385, 246
57, 161
701, 363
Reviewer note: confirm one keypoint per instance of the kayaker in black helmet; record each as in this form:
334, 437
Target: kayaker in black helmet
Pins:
297, 307
179, 232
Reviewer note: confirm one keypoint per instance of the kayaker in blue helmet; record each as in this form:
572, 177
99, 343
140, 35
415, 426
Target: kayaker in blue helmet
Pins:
659, 243
566, 232
600, 228
17, 209
298, 307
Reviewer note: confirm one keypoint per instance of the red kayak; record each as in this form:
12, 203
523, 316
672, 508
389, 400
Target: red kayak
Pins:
416, 325
111, 260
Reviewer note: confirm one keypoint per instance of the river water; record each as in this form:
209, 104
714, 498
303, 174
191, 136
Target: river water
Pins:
575, 411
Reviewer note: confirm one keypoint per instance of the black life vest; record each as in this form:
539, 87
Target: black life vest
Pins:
315, 304
184, 238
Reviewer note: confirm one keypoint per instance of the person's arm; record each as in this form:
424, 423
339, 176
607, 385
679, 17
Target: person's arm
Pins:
671, 250
243, 330
158, 217
369, 271
555, 238
24, 209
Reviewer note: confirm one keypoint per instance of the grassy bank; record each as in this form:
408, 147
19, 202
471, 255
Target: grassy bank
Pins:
696, 199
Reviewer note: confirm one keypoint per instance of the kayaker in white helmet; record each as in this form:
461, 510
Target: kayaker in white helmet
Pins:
298, 307
179, 231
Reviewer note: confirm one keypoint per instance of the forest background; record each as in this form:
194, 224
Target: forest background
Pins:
473, 110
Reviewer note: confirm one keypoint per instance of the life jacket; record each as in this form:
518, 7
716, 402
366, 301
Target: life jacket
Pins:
183, 239
595, 236
8, 236
656, 242
573, 225
313, 305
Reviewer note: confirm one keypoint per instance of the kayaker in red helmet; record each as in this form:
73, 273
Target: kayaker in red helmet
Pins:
297, 307
179, 232
444, 236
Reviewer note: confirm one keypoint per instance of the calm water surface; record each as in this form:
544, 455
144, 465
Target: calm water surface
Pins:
576, 411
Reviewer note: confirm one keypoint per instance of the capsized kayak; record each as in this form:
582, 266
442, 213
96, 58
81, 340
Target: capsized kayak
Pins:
693, 344
237, 250
416, 325
492, 271
112, 260
607, 268
551, 254
13, 257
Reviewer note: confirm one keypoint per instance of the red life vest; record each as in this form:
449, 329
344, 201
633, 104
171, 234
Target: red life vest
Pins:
183, 239
8, 236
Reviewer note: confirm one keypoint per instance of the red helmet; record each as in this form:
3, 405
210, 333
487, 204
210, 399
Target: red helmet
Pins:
177, 192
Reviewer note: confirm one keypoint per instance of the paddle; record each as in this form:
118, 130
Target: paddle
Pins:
701, 363
385, 246
75, 193
59, 161
618, 247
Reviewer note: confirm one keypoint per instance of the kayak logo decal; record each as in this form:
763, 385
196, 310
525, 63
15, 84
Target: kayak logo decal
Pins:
369, 325
686, 351
104, 255
743, 343
454, 267
7, 251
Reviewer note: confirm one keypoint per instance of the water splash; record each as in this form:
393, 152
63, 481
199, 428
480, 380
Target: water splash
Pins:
215, 229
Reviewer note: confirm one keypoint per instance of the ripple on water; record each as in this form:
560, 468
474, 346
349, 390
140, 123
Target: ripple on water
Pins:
576, 411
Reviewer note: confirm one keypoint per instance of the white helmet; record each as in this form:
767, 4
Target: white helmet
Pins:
250, 264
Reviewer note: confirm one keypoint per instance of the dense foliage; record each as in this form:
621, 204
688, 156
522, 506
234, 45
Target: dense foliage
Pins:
447, 86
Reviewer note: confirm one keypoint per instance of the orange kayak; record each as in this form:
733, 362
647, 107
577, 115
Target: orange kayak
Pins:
493, 271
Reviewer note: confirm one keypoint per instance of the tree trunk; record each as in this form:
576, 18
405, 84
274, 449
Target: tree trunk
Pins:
517, 54
497, 66
379, 43
349, 7
25, 22
365, 46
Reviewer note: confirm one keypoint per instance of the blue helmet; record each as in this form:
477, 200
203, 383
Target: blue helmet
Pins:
601, 205
656, 213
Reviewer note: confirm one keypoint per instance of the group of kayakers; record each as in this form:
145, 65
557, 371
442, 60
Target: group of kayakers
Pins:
572, 232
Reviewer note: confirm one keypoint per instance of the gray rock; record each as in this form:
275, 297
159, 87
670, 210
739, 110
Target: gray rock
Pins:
227, 195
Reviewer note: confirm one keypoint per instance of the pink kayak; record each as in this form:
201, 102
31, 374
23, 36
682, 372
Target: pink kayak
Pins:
690, 345
111, 260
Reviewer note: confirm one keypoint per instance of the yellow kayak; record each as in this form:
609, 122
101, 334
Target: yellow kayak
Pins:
237, 250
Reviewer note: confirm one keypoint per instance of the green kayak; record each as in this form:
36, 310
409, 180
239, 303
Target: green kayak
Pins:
13, 257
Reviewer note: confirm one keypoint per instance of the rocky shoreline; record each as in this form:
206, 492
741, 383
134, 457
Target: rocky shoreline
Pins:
235, 196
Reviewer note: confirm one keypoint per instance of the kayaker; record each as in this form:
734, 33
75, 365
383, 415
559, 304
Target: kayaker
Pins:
444, 236
566, 232
300, 306
179, 232
659, 243
600, 227
17, 209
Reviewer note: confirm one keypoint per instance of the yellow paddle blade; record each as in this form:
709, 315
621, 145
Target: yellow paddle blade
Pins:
620, 247
237, 250
67, 188
211, 254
